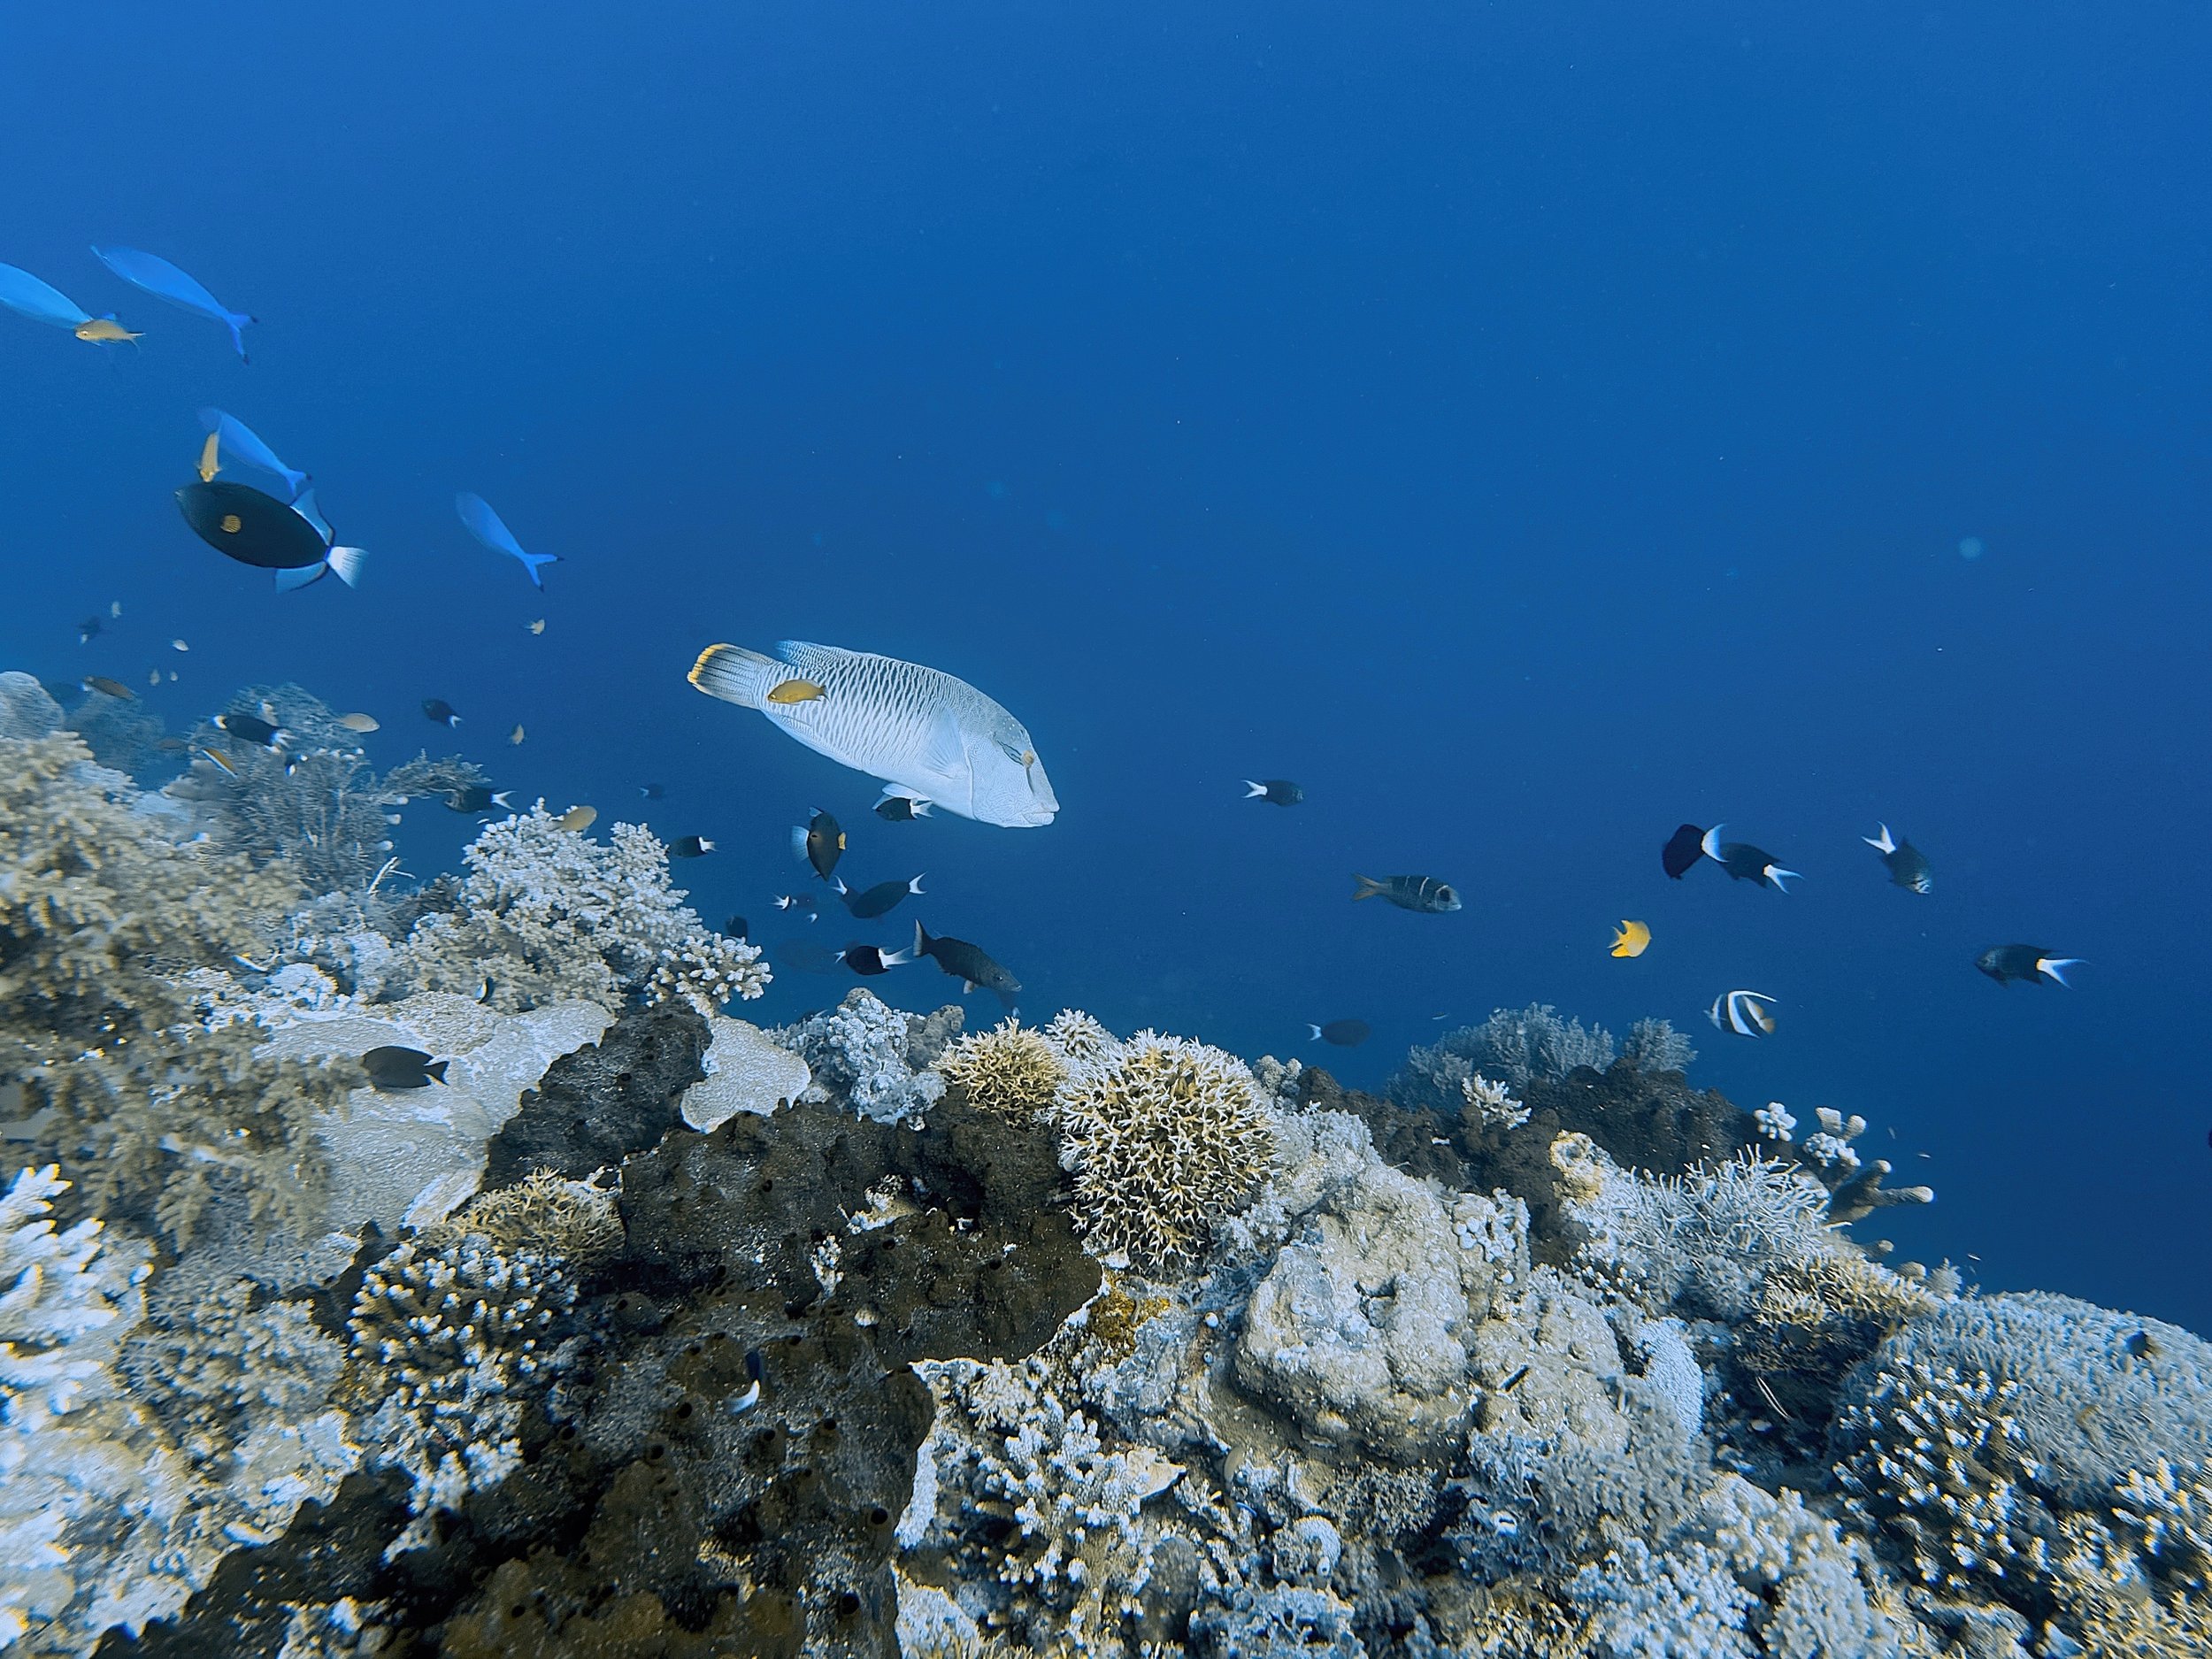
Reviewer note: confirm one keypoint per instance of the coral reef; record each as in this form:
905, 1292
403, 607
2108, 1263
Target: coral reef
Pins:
1009, 1070
547, 915
872, 1056
649, 1332
1163, 1137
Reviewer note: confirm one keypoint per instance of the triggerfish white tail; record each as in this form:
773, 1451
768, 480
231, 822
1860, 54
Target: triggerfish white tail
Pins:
900, 723
20, 291
165, 281
485, 525
234, 438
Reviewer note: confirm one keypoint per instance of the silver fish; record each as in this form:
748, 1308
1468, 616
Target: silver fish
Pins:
900, 723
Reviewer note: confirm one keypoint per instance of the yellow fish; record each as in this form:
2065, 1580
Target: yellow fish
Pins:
536, 627
357, 722
100, 330
795, 691
210, 462
515, 736
1632, 940
576, 819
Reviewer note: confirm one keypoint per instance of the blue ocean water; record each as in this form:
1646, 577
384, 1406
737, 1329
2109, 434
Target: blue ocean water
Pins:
1527, 427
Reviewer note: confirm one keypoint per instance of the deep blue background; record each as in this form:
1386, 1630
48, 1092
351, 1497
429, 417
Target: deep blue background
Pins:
1528, 425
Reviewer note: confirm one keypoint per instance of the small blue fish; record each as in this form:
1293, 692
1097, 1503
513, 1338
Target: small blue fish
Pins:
234, 437
484, 525
165, 281
20, 291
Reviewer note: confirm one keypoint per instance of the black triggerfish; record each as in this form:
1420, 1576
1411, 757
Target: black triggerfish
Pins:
242, 523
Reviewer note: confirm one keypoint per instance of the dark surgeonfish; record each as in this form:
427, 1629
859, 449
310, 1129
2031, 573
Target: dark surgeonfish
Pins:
1682, 850
1743, 1012
391, 1068
804, 955
968, 963
242, 523
165, 281
872, 959
1743, 862
1425, 894
441, 711
1345, 1033
2030, 964
879, 900
819, 841
1281, 791
1907, 864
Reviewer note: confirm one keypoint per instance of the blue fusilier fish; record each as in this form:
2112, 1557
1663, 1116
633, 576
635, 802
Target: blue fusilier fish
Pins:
234, 437
242, 523
484, 525
165, 281
900, 723
1907, 864
2030, 964
41, 302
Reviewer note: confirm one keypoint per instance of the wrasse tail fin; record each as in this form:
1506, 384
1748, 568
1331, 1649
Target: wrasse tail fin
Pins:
734, 674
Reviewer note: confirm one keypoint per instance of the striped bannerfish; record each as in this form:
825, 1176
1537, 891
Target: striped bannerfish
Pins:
923, 730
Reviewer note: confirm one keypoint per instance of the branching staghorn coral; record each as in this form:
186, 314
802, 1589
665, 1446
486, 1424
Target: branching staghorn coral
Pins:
1076, 1037
449, 1333
1163, 1136
1513, 1046
1009, 1070
1655, 1045
94, 1516
547, 914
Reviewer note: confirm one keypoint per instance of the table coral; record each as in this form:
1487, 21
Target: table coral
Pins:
548, 914
1163, 1136
747, 1070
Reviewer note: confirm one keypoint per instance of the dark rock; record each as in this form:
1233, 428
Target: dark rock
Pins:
597, 1106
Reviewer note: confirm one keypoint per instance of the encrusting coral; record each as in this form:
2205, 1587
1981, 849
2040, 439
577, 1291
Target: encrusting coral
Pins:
1009, 1070
876, 1059
1163, 1136
548, 915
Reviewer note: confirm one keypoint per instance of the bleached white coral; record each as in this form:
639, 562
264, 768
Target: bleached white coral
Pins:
860, 1051
1491, 1104
446, 1340
547, 914
1163, 1136
1775, 1122
1075, 1036
93, 1497
1683, 1605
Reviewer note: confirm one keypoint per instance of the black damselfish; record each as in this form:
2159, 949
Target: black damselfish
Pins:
690, 847
2032, 964
438, 710
879, 900
871, 959
1345, 1033
1280, 791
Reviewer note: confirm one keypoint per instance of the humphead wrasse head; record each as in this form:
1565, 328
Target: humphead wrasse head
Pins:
1008, 783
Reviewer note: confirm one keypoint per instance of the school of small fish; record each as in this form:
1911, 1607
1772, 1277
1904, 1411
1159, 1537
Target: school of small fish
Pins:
931, 738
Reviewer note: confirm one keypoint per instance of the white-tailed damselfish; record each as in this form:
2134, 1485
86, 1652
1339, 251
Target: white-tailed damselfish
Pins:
872, 959
900, 723
1280, 791
2030, 964
1743, 862
485, 525
165, 281
1908, 866
871, 903
234, 438
242, 523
